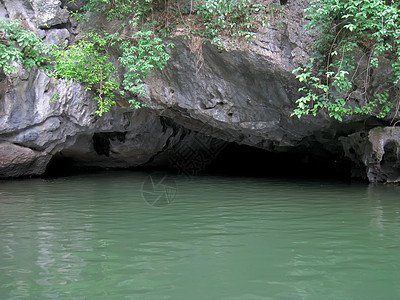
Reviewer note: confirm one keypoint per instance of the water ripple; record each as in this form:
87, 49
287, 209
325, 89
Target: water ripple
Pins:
94, 236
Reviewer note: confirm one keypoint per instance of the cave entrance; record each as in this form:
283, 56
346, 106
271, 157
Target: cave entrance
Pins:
236, 160
242, 160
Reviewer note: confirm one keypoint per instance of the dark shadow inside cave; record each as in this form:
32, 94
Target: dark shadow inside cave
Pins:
59, 166
390, 163
236, 160
241, 160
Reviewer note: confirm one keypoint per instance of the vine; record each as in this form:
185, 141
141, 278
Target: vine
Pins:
139, 58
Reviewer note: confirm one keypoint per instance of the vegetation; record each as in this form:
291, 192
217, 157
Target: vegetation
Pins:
87, 62
142, 51
237, 18
354, 39
139, 38
19, 45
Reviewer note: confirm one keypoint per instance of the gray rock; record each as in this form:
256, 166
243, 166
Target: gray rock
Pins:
22, 10
18, 161
74, 5
57, 36
49, 13
375, 153
246, 92
3, 11
246, 97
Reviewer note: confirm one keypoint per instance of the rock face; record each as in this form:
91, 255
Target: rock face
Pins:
34, 129
248, 91
16, 158
49, 13
204, 98
375, 153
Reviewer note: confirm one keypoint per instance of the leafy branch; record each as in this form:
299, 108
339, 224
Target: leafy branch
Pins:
87, 62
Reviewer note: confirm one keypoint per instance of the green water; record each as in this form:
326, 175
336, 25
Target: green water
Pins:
94, 237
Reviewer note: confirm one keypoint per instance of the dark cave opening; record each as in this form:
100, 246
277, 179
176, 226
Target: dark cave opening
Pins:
59, 166
242, 160
236, 160
62, 166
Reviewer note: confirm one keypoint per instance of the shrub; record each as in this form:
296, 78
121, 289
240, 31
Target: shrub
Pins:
370, 26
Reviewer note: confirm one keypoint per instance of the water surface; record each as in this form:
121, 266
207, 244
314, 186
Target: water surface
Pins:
94, 236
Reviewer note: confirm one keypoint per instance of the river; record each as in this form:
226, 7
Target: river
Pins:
137, 235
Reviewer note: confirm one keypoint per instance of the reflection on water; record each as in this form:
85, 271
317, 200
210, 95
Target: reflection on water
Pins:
94, 236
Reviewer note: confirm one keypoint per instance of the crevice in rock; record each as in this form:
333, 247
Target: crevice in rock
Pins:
101, 144
167, 123
73, 6
3, 90
2, 75
102, 141
168, 141
59, 26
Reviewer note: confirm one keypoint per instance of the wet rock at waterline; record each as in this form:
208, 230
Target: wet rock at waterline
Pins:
16, 161
375, 153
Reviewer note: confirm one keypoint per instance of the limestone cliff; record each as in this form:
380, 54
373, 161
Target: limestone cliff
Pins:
204, 96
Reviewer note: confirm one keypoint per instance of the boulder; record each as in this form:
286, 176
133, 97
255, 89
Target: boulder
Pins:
16, 161
49, 13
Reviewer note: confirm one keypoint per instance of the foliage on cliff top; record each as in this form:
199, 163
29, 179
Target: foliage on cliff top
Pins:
207, 18
336, 73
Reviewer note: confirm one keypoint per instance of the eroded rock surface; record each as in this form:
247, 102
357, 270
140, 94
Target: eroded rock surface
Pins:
49, 13
376, 153
202, 99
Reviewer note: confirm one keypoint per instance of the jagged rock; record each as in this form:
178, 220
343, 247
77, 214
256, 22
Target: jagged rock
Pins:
3, 12
375, 153
246, 92
240, 93
49, 13
69, 130
22, 10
